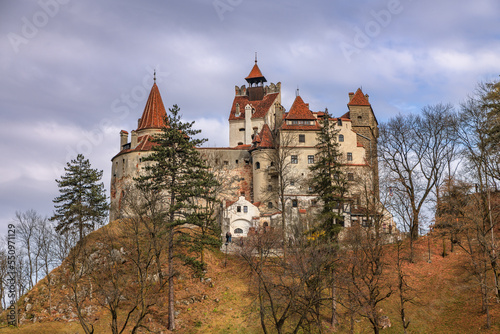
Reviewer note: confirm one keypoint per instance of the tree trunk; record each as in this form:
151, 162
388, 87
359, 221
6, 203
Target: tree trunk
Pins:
334, 320
171, 300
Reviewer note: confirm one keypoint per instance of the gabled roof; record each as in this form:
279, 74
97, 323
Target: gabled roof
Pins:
358, 99
261, 106
300, 110
154, 111
144, 144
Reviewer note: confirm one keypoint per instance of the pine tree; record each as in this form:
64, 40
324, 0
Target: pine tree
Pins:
81, 205
176, 169
328, 179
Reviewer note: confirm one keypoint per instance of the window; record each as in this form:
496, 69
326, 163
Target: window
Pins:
339, 122
270, 205
242, 129
238, 208
295, 159
310, 159
257, 165
311, 189
313, 202
294, 203
242, 193
292, 183
350, 176
238, 231
245, 209
269, 188
302, 138
236, 161
226, 162
349, 156
341, 138
240, 143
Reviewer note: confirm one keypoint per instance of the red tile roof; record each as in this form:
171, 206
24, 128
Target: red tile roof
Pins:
261, 107
255, 72
266, 137
154, 111
358, 99
143, 144
346, 115
300, 110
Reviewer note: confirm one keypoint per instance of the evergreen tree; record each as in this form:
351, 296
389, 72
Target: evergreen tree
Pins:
81, 205
177, 170
328, 179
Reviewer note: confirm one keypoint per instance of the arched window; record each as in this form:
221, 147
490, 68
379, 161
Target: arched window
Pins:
341, 138
294, 203
238, 231
257, 165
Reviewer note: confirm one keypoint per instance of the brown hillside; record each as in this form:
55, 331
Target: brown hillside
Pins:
446, 299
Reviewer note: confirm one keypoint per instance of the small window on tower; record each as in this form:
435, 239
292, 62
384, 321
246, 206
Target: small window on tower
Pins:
257, 165
242, 129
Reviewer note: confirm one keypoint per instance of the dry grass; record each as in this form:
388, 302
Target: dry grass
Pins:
446, 299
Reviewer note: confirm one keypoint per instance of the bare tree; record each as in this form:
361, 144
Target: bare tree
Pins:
475, 139
413, 150
291, 291
28, 225
279, 156
77, 266
404, 290
363, 264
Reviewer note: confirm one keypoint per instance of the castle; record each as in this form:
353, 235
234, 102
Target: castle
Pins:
249, 201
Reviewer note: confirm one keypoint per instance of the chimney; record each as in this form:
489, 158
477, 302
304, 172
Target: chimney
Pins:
237, 114
133, 141
123, 138
139, 122
351, 95
367, 97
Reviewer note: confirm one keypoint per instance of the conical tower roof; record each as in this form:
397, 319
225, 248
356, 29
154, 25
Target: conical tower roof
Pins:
255, 75
154, 113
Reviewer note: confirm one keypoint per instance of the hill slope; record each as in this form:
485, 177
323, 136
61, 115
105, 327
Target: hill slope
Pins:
446, 300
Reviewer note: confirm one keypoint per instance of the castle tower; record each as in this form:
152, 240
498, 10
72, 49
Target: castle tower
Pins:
127, 164
365, 124
253, 107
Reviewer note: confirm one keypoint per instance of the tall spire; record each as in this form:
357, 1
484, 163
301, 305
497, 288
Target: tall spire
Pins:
154, 113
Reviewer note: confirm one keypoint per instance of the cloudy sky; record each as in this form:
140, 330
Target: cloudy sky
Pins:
74, 73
